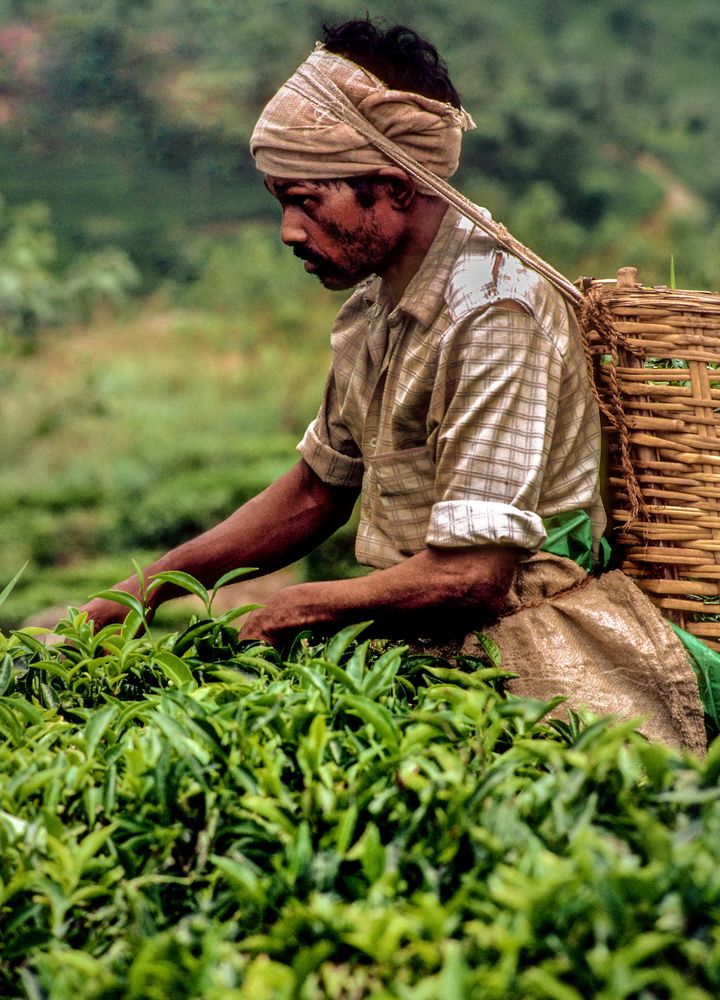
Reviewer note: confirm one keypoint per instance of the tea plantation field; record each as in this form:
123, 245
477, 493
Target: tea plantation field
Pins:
193, 816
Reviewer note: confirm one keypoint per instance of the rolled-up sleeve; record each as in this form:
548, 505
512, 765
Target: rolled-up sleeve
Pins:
459, 523
327, 446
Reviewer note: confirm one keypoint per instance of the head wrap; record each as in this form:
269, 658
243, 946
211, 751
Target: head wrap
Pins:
334, 119
297, 137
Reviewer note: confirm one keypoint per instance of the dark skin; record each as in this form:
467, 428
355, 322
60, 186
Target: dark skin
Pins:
342, 242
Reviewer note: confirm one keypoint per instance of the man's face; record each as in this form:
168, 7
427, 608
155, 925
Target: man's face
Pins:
341, 241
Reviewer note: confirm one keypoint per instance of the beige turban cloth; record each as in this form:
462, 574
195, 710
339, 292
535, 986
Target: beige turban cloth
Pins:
309, 130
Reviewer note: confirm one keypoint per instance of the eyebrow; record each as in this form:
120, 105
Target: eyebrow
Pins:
276, 187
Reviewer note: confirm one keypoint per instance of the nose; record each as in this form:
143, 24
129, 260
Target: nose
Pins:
292, 231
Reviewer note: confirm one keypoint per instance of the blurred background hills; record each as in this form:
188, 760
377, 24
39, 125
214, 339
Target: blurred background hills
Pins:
598, 121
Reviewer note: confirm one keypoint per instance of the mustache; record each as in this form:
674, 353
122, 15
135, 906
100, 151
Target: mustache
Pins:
312, 258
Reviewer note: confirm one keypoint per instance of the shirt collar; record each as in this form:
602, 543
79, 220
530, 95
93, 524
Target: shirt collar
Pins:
424, 296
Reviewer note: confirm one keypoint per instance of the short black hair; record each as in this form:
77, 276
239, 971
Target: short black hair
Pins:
398, 56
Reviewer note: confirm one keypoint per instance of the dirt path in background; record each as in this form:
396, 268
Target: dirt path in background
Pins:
679, 198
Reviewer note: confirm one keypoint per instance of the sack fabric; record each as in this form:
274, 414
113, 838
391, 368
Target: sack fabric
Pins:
599, 641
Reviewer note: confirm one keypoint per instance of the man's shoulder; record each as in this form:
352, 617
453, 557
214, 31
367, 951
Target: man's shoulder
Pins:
485, 274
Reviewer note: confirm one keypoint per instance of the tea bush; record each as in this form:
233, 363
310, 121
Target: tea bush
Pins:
195, 816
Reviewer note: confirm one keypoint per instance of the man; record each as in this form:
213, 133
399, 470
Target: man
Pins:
352, 214
458, 404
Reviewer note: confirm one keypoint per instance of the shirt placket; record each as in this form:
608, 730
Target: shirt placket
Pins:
376, 438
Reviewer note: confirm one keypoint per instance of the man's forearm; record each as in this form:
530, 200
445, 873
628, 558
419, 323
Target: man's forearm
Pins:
275, 528
435, 590
280, 525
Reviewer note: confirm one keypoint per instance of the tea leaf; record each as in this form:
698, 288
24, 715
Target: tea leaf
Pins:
340, 642
120, 597
182, 580
6, 672
96, 727
177, 670
376, 716
8, 588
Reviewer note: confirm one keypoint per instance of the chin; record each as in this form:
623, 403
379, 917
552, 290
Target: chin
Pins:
337, 282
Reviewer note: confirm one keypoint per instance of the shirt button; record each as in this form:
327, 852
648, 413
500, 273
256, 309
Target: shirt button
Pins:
373, 442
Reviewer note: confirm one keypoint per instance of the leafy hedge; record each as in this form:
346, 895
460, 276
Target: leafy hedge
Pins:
194, 816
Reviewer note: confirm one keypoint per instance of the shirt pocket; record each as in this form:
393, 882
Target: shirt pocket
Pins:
404, 488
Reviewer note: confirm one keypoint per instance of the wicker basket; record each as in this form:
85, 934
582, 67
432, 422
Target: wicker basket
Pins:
656, 354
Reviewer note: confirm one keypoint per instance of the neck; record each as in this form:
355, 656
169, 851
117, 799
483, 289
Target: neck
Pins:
424, 221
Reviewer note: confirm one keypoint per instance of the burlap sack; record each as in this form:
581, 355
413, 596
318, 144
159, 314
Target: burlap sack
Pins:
600, 642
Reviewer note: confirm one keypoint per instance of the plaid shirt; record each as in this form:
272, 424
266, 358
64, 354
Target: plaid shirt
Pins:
463, 423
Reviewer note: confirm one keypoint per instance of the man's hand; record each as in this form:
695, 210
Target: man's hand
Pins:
433, 592
265, 624
284, 522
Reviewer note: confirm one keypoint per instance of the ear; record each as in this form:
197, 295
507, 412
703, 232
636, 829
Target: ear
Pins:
401, 187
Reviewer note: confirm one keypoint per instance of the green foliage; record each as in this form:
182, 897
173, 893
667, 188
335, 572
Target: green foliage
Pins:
29, 292
200, 817
132, 434
84, 547
34, 293
192, 501
69, 582
252, 274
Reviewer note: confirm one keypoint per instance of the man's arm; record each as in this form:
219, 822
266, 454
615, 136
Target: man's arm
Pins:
435, 591
281, 524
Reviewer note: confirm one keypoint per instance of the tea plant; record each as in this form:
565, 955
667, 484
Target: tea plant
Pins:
197, 816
